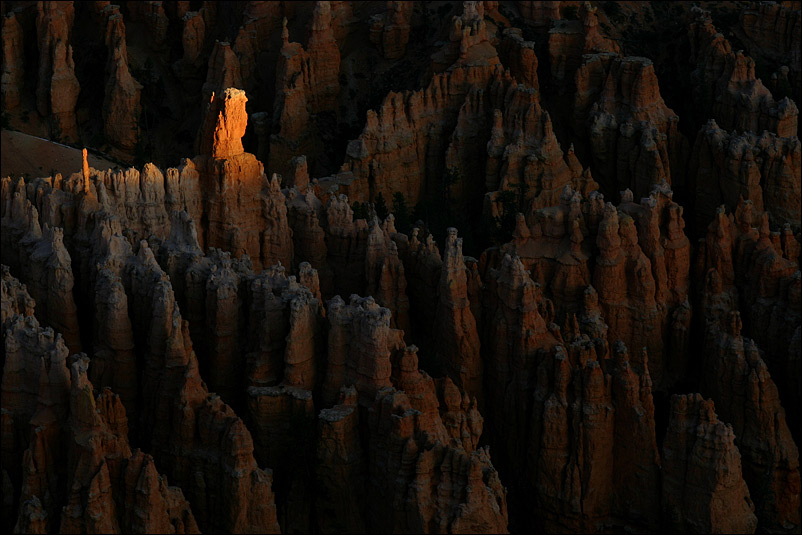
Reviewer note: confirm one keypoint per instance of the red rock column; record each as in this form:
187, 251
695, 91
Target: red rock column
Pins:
13, 64
58, 88
121, 107
456, 326
703, 488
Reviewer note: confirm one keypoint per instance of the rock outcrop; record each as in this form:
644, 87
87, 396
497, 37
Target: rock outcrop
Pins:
277, 245
468, 40
518, 55
223, 73
218, 302
399, 136
578, 397
57, 88
114, 358
16, 300
539, 13
472, 501
631, 134
324, 60
240, 218
35, 390
752, 274
759, 168
307, 83
193, 37
459, 336
276, 322
308, 237
740, 263
361, 344
736, 378
524, 157
198, 454
630, 309
121, 107
643, 244
773, 30
156, 22
726, 85
521, 149
390, 30
43, 259
385, 275
569, 40
348, 241
703, 488
284, 425
111, 489
212, 453
404, 427
221, 137
12, 85
108, 489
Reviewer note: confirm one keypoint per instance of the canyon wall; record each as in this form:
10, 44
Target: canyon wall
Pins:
250, 342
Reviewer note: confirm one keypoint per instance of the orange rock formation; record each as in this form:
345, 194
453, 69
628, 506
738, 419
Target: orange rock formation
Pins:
643, 244
11, 87
697, 447
306, 84
762, 169
390, 30
774, 31
526, 389
726, 85
121, 107
632, 135
57, 89
569, 40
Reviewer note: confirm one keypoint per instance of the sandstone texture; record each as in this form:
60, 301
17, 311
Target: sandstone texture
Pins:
694, 439
632, 135
390, 30
453, 267
121, 107
726, 84
773, 31
569, 40
13, 63
57, 88
761, 169
307, 83
71, 435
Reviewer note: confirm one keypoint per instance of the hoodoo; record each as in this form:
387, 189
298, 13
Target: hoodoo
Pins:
408, 267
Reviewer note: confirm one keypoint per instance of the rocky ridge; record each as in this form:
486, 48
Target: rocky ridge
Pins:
524, 389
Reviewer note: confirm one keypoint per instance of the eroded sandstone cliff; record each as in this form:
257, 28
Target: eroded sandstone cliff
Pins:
298, 345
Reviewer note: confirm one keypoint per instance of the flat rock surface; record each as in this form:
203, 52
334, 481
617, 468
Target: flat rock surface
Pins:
23, 154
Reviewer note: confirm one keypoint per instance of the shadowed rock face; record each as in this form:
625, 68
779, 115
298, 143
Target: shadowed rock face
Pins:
735, 374
762, 169
389, 31
632, 135
727, 83
773, 31
569, 40
238, 344
697, 448
58, 88
13, 62
121, 107
77, 437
